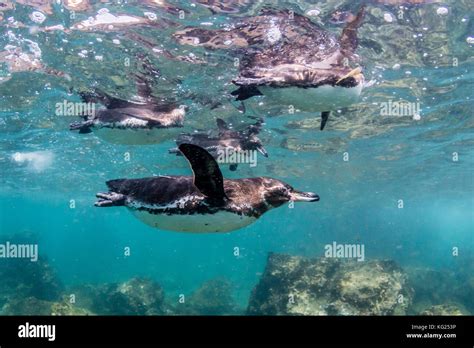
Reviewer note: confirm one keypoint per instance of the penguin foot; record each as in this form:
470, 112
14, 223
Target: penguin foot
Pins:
109, 199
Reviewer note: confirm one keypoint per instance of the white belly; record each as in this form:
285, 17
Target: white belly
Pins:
138, 136
323, 98
197, 223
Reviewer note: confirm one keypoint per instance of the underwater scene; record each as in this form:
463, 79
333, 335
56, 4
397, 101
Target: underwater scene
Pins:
237, 157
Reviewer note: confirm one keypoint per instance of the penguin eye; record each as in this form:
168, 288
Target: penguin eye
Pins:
283, 192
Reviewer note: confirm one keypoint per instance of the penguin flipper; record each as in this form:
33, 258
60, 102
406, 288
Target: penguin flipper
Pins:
324, 118
207, 176
98, 96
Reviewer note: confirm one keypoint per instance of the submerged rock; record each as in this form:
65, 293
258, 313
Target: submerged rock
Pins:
444, 309
137, 296
431, 287
22, 277
27, 306
34, 306
214, 297
464, 286
292, 285
67, 308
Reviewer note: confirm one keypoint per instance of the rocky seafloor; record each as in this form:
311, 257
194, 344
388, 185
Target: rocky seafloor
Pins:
294, 285
289, 285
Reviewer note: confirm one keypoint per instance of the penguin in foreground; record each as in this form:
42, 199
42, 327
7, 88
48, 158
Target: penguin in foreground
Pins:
203, 202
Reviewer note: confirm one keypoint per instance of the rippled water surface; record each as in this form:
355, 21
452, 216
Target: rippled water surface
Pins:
402, 186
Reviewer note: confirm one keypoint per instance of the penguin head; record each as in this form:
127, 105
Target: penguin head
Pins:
278, 193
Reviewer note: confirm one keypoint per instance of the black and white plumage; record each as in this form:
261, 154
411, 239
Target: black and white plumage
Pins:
204, 202
290, 59
225, 141
147, 120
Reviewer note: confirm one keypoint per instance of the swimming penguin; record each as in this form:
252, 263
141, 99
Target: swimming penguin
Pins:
227, 146
290, 59
204, 202
147, 121
309, 71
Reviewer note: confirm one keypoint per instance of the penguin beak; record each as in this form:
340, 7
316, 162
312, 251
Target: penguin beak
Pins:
174, 150
262, 150
298, 196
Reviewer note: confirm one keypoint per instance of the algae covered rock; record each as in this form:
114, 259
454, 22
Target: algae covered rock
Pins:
213, 297
431, 286
35, 306
27, 306
444, 309
292, 285
30, 276
29, 279
444, 286
137, 296
371, 288
67, 308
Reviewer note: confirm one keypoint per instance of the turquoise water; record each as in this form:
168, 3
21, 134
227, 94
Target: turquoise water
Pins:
390, 158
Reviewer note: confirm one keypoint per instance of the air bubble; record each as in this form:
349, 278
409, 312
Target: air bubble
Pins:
151, 16
314, 12
388, 17
442, 11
